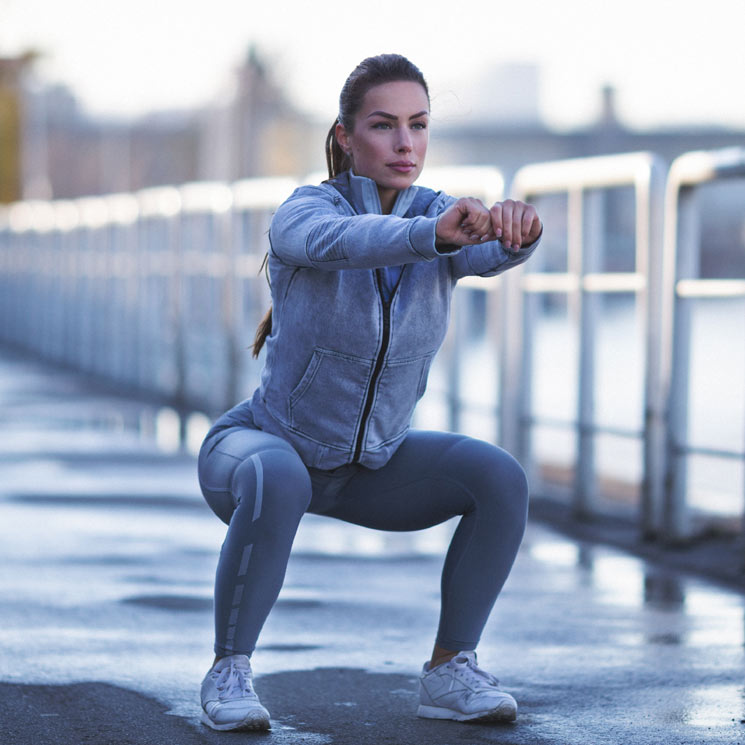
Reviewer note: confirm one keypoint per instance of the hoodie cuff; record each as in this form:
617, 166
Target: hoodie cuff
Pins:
422, 237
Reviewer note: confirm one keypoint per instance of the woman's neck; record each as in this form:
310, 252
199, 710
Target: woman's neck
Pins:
387, 199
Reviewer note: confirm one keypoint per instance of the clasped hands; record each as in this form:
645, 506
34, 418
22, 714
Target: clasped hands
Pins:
468, 221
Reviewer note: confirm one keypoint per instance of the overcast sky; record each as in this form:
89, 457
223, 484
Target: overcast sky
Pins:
672, 62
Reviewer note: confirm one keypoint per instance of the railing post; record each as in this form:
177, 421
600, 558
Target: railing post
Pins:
586, 209
455, 353
649, 259
512, 394
676, 524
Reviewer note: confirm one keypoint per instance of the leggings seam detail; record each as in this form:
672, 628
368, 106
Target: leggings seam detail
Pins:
259, 469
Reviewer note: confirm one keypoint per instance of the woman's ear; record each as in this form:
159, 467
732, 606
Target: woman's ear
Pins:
342, 137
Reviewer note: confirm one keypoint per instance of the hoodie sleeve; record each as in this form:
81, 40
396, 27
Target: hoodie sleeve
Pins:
489, 259
312, 229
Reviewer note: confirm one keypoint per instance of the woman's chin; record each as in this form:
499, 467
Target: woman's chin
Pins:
399, 181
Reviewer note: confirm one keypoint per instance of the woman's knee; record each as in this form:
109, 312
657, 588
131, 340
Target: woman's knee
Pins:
273, 483
248, 465
510, 472
495, 477
489, 462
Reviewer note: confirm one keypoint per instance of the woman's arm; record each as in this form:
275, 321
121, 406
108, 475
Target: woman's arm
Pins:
310, 230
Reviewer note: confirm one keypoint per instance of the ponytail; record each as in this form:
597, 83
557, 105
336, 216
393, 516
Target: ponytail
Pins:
265, 325
337, 160
263, 330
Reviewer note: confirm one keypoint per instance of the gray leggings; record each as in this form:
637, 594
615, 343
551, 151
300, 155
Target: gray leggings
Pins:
257, 483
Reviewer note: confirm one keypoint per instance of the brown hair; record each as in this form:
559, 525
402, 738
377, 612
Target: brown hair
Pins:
383, 68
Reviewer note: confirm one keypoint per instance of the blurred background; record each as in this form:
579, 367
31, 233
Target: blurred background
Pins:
108, 98
100, 99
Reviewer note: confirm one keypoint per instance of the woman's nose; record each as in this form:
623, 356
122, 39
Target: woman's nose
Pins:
403, 142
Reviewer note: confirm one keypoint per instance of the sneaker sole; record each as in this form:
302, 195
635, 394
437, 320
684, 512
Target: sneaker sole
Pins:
502, 713
248, 724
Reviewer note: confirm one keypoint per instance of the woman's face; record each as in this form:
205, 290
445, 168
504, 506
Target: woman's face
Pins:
389, 141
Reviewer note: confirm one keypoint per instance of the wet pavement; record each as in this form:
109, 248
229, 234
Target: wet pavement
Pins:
107, 556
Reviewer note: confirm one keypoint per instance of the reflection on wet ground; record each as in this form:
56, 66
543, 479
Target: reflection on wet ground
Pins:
107, 559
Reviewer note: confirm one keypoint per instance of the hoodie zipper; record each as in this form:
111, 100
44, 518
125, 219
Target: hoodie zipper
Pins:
377, 369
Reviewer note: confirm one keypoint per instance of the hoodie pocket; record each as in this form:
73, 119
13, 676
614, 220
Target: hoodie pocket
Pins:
326, 403
402, 383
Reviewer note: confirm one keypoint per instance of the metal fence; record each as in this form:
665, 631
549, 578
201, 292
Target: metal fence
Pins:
160, 291
682, 287
585, 182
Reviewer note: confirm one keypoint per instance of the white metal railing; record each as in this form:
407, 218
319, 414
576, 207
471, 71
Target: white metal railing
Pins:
160, 291
682, 286
584, 181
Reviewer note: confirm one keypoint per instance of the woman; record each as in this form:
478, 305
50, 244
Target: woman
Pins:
362, 270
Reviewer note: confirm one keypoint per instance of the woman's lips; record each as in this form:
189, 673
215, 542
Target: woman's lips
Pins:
402, 166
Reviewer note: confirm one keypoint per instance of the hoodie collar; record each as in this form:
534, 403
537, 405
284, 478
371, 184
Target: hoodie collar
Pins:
365, 197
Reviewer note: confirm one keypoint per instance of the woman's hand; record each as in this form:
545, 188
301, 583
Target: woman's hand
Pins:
464, 222
468, 221
516, 224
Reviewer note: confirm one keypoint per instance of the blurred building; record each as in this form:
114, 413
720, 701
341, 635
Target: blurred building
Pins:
508, 141
51, 148
512, 138
13, 75
253, 129
93, 155
59, 151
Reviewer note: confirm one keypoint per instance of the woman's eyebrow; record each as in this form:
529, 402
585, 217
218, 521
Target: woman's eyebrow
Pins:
386, 115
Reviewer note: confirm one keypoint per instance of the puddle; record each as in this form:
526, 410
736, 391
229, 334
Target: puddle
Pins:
171, 602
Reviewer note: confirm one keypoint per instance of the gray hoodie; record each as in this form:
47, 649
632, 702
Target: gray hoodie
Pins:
353, 339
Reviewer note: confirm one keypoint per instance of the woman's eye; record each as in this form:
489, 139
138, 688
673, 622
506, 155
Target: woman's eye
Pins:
419, 125
381, 125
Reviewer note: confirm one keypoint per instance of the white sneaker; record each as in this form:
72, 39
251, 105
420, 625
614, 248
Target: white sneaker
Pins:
229, 701
459, 689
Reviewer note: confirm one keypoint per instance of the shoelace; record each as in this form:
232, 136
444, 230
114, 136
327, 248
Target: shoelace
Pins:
467, 667
233, 682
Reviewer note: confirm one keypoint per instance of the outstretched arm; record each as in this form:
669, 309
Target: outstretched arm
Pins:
310, 230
